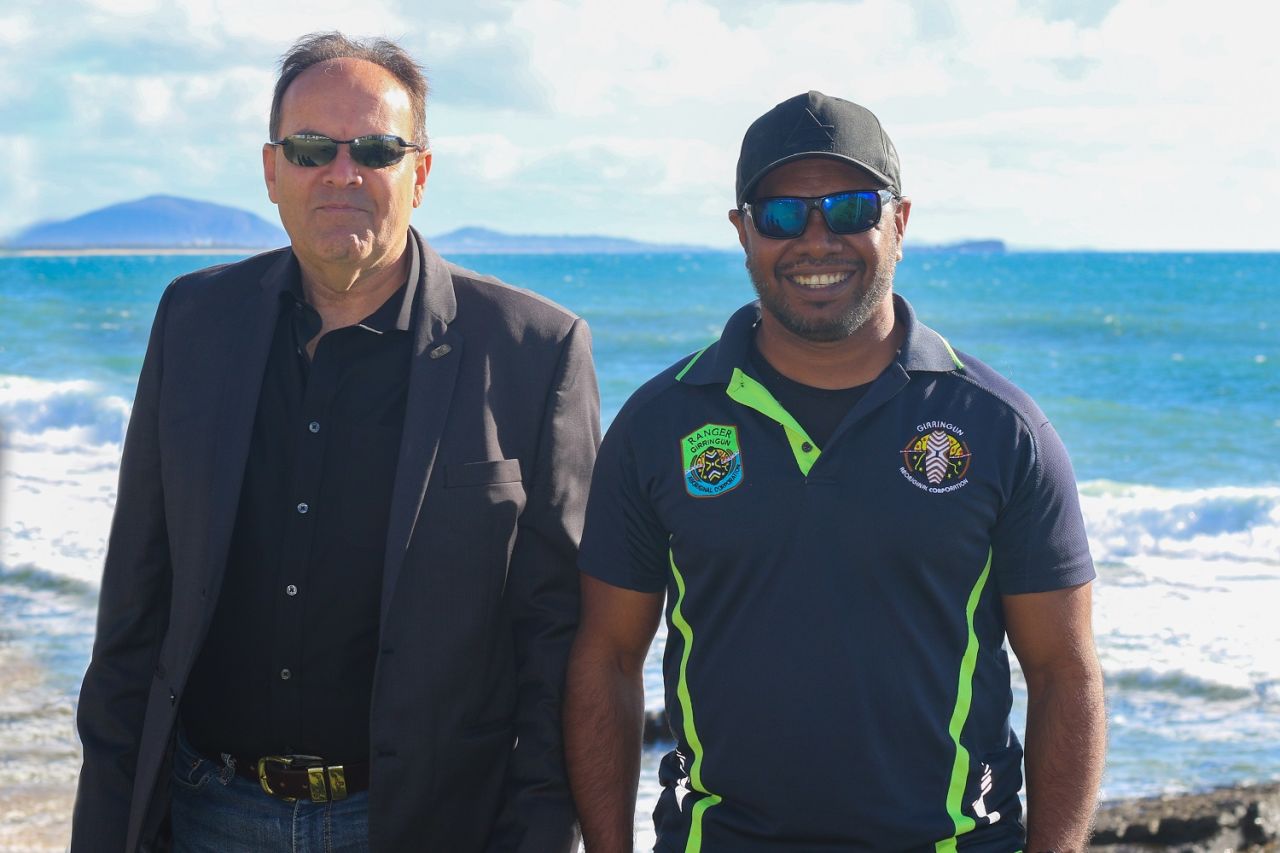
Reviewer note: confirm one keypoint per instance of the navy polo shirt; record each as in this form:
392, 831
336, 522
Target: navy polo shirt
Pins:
835, 671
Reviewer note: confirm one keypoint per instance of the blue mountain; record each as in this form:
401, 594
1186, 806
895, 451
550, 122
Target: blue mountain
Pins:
155, 222
964, 247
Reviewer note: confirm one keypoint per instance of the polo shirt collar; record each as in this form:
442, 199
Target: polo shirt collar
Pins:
922, 350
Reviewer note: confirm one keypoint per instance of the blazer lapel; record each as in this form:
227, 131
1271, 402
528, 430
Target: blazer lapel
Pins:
437, 355
249, 334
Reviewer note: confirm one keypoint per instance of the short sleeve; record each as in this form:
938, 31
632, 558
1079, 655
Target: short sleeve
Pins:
623, 544
1038, 543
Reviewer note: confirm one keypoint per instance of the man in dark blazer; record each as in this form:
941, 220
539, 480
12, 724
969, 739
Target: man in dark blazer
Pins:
340, 590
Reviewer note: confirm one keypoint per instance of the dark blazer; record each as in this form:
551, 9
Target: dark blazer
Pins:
479, 591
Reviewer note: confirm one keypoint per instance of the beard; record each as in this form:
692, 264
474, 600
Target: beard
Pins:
851, 318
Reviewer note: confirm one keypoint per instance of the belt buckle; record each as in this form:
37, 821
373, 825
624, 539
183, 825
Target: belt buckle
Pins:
318, 774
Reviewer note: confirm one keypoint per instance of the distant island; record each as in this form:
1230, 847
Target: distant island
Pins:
169, 223
476, 241
963, 247
155, 222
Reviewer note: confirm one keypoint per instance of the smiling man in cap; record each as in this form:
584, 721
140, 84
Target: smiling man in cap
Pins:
847, 518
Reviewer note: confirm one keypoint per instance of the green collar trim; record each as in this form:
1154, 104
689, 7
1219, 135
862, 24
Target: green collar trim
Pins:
750, 393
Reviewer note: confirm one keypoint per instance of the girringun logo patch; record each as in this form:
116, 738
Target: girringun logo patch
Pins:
712, 460
936, 458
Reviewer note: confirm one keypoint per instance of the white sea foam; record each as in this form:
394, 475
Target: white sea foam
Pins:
60, 452
1188, 585
39, 414
1235, 524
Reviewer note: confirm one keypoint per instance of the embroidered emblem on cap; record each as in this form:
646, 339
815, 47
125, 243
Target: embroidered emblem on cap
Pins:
937, 458
809, 131
712, 460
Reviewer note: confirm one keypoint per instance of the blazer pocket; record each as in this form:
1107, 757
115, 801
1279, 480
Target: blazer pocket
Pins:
482, 473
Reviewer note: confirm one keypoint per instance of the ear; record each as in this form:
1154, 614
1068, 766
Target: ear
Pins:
901, 213
420, 171
269, 170
740, 222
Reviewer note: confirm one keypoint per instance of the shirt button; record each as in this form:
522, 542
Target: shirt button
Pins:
290, 590
302, 508
807, 447
314, 426
285, 675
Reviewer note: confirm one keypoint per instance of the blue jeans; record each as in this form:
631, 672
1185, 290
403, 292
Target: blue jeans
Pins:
216, 811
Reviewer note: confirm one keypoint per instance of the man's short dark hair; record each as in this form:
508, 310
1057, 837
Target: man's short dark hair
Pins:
323, 47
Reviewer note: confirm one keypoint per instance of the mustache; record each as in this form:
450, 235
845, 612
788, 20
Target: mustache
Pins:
350, 198
824, 265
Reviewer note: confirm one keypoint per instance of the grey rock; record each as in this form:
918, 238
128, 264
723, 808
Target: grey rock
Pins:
1239, 818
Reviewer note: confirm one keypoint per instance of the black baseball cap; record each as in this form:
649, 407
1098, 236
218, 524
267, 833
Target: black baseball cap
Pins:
816, 125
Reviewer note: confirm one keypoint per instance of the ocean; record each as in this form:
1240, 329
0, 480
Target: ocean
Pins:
1160, 371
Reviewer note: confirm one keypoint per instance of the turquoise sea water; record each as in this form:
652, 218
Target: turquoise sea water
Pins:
1161, 372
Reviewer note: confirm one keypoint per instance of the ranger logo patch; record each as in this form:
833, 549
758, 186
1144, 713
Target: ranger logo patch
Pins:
936, 459
711, 459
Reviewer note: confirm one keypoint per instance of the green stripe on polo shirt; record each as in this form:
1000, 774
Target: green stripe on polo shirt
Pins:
750, 393
697, 355
959, 715
955, 358
694, 844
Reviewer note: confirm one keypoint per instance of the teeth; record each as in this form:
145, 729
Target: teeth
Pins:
819, 280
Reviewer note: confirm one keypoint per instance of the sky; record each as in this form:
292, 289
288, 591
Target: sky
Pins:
1128, 125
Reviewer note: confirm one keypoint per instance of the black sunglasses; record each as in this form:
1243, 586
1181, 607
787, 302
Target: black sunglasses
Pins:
376, 151
849, 212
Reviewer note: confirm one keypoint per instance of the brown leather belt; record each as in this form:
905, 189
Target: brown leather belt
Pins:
304, 777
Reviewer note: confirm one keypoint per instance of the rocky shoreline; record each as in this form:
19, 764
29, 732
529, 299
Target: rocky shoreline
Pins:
1238, 818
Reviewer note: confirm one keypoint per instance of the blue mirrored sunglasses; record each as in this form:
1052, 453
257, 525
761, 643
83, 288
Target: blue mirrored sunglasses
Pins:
849, 212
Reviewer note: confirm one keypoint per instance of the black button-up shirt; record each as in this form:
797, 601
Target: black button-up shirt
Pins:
287, 667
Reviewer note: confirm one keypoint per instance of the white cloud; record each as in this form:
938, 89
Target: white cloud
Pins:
655, 166
20, 185
281, 24
625, 58
124, 8
119, 104
153, 103
214, 23
15, 29
487, 157
672, 166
